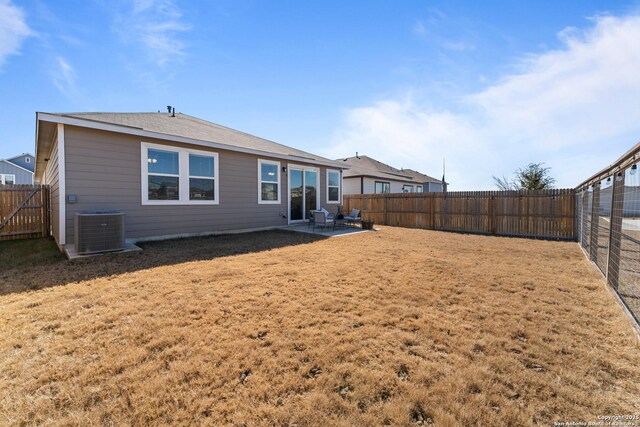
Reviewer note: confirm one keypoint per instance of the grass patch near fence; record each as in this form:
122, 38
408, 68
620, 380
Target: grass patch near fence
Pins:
395, 327
16, 254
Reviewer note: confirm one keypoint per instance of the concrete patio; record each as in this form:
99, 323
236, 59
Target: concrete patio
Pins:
327, 232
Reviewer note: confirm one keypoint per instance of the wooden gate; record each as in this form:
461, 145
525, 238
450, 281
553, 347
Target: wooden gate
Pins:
24, 211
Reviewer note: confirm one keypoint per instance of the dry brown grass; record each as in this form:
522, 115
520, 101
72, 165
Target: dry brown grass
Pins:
395, 327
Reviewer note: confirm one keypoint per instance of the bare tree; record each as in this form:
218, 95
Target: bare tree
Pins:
504, 184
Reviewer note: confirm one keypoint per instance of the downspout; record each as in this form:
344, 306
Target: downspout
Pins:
362, 185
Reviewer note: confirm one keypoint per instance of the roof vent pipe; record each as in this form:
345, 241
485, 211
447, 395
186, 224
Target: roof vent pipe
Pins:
173, 112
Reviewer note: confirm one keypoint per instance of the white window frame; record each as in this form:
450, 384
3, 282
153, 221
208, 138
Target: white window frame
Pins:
334, 202
260, 181
410, 186
381, 182
419, 187
27, 159
183, 175
3, 178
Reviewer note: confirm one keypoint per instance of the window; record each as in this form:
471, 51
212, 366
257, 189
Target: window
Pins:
419, 189
27, 159
383, 187
333, 186
407, 188
201, 177
8, 179
172, 175
163, 176
268, 182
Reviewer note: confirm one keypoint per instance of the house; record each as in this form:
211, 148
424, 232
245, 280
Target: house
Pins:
369, 176
175, 175
17, 170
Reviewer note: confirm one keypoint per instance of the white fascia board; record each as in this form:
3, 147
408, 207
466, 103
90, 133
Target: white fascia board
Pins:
73, 121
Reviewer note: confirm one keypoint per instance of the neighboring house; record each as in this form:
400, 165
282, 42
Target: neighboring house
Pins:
17, 170
25, 161
369, 176
176, 175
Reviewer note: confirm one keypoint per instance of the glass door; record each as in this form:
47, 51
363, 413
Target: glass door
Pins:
303, 192
296, 195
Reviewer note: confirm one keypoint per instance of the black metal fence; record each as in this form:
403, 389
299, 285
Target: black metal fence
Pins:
608, 226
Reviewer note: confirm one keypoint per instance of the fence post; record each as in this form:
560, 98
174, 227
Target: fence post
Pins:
615, 240
595, 222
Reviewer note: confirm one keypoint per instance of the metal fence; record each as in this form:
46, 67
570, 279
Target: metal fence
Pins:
608, 226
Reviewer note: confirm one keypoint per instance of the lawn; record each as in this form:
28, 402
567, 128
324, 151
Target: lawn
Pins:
395, 327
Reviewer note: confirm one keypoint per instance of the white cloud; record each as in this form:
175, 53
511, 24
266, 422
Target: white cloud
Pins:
13, 29
64, 77
575, 108
156, 26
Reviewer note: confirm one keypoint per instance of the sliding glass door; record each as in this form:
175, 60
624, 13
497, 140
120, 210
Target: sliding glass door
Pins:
304, 192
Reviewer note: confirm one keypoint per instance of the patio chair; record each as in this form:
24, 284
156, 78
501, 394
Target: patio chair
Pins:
321, 219
353, 217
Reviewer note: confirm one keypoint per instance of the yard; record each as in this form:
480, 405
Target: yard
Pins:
397, 327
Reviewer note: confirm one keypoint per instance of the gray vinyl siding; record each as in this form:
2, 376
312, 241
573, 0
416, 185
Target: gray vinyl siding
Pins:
50, 178
22, 176
103, 169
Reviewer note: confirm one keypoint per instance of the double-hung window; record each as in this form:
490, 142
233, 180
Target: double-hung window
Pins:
268, 182
333, 186
407, 188
8, 179
419, 189
178, 176
382, 187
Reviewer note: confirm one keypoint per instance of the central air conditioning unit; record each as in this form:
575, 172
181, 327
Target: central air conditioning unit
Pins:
99, 231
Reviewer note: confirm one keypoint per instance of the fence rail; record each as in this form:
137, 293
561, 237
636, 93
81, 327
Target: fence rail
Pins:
548, 214
24, 211
608, 226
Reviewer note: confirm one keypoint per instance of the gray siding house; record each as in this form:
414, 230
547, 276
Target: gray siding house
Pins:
176, 175
370, 176
24, 160
16, 170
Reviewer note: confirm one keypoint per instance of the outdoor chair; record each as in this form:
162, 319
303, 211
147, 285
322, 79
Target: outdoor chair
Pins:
321, 219
353, 217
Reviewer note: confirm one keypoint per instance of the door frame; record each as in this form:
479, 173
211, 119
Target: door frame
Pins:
302, 168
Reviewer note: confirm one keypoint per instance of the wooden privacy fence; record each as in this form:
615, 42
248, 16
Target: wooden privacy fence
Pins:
24, 211
548, 214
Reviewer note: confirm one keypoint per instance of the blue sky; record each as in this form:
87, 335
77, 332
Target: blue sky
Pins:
488, 85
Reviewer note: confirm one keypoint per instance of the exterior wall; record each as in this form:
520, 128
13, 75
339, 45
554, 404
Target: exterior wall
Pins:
22, 176
352, 185
26, 161
50, 178
103, 170
433, 187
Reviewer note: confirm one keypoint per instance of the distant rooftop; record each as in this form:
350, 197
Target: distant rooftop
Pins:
362, 165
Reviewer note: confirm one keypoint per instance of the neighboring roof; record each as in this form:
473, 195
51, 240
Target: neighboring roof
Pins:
366, 166
20, 155
421, 177
180, 127
16, 166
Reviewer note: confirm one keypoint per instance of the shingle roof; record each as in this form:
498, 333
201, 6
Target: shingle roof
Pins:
421, 177
183, 125
366, 166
